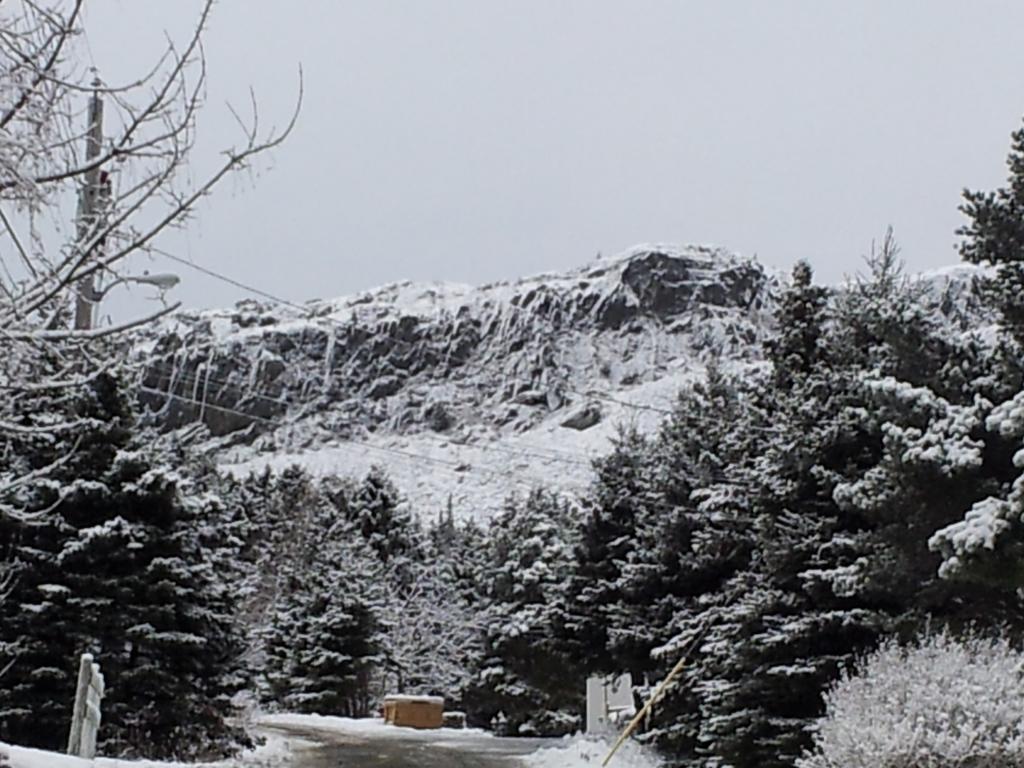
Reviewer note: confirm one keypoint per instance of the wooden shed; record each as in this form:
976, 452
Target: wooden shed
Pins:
414, 711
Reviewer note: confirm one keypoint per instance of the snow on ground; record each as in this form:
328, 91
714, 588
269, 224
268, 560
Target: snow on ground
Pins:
582, 752
575, 752
274, 753
373, 728
479, 468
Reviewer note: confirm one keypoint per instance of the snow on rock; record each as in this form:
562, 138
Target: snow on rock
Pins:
469, 394
582, 752
477, 468
955, 294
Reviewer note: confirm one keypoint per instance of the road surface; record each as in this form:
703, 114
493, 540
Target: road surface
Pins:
315, 746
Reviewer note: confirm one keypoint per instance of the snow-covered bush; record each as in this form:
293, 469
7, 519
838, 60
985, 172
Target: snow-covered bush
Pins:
944, 702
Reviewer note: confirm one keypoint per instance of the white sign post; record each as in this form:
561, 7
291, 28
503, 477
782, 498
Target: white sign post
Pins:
609, 700
85, 718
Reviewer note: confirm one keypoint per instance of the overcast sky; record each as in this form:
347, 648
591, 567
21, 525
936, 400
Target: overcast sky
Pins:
474, 140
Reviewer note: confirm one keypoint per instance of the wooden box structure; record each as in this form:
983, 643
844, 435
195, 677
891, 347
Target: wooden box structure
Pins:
414, 711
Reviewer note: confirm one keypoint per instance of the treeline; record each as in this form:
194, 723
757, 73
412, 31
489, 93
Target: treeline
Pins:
202, 595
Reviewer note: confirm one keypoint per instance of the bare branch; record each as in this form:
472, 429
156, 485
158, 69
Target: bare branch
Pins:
63, 30
133, 185
94, 333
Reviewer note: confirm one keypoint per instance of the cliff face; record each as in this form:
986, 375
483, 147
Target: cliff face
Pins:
453, 387
410, 356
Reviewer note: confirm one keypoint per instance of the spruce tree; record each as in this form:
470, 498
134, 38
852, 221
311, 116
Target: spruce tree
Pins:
995, 236
119, 564
607, 537
526, 683
986, 544
322, 641
794, 352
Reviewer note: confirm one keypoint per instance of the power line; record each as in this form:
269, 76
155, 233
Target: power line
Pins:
230, 280
453, 466
547, 454
401, 342
624, 403
446, 464
513, 451
450, 466
540, 452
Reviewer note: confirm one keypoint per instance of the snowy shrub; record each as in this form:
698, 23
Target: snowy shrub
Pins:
945, 702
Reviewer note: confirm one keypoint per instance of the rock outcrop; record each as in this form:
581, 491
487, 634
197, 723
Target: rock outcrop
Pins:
470, 392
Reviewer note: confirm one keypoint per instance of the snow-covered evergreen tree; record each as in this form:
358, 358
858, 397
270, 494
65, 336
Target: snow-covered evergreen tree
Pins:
322, 643
795, 351
379, 514
692, 540
995, 236
526, 683
599, 620
118, 562
987, 543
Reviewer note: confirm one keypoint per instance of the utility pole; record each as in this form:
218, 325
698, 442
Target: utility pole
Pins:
89, 204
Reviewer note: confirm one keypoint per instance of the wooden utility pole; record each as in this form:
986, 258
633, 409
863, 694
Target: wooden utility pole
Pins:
646, 711
89, 204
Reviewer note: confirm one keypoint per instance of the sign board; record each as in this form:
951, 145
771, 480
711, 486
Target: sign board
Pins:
609, 701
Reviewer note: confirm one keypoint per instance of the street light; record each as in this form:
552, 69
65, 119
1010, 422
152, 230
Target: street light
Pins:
163, 282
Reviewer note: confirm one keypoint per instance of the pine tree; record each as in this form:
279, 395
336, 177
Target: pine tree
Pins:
795, 351
995, 236
986, 544
378, 513
119, 564
526, 683
786, 625
692, 540
322, 643
864, 460
607, 537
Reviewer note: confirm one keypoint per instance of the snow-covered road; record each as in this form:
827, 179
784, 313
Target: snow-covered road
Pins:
336, 743
312, 741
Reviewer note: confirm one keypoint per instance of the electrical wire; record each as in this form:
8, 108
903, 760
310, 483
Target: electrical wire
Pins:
452, 466
547, 454
229, 280
401, 342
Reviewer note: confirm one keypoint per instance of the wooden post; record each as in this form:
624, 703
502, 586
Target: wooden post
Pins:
81, 696
654, 698
85, 717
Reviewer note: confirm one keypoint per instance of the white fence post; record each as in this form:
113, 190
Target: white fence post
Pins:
85, 718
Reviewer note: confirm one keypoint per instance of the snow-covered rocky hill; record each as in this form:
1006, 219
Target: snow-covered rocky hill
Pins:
467, 394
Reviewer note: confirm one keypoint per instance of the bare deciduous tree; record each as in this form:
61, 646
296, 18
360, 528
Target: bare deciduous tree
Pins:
142, 187
430, 632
